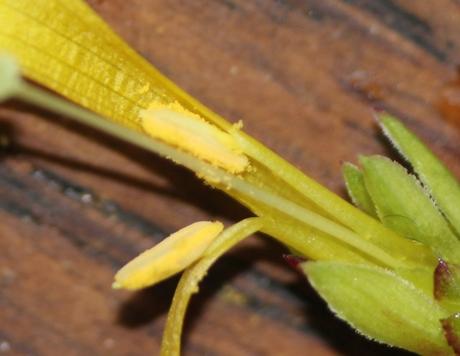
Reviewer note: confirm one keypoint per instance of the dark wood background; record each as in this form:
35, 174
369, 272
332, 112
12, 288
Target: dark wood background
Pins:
303, 75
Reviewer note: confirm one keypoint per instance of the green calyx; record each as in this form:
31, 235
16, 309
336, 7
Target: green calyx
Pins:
413, 308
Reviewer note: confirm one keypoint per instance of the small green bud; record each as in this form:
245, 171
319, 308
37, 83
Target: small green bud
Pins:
356, 189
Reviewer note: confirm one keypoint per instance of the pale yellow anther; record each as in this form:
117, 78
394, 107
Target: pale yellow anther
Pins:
181, 128
172, 255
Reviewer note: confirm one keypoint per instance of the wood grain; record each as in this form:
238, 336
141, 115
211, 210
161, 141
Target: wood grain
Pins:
304, 76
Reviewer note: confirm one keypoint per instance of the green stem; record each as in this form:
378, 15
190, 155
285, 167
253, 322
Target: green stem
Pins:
188, 284
313, 219
346, 214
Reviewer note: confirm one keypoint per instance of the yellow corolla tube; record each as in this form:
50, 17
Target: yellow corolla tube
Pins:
172, 255
65, 46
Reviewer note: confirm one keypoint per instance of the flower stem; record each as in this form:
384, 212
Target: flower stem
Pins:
188, 284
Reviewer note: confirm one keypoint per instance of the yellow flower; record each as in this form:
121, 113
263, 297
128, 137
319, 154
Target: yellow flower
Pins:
65, 46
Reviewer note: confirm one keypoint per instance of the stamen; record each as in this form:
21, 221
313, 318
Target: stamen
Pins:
183, 129
169, 257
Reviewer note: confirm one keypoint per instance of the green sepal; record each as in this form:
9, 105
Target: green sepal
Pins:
442, 185
354, 182
381, 305
404, 206
420, 277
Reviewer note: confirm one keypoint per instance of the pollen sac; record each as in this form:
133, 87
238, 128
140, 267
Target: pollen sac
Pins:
172, 255
185, 130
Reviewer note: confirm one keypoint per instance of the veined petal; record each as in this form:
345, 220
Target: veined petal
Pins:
169, 257
66, 46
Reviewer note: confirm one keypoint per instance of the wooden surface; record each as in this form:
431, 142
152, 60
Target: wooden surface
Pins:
303, 75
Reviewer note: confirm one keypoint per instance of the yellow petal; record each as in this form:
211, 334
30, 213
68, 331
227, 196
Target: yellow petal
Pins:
66, 46
169, 257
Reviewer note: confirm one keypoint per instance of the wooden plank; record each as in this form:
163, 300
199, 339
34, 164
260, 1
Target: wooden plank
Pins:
303, 75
